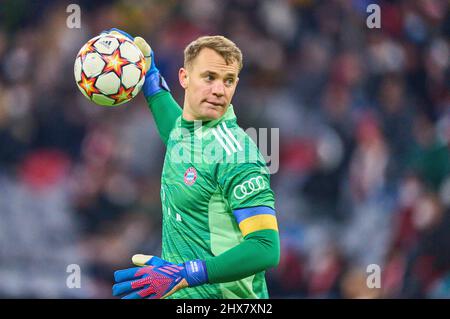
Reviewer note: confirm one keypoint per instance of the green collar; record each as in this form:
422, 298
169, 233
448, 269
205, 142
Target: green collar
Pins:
202, 126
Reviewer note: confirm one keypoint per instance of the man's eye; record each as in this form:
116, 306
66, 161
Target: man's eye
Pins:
209, 77
229, 81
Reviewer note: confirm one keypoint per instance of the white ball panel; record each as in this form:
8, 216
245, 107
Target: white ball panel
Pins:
106, 44
77, 69
130, 75
108, 83
93, 64
130, 52
138, 87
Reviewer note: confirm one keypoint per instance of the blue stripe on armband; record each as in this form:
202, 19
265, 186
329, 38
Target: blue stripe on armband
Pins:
244, 213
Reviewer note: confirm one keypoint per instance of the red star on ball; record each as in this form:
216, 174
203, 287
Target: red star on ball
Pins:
88, 47
114, 62
123, 94
88, 85
141, 65
122, 39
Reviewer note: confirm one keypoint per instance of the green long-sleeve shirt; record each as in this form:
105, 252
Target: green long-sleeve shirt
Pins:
217, 202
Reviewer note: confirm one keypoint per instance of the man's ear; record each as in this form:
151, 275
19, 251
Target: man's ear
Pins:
183, 78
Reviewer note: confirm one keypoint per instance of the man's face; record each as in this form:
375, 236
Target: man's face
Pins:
209, 84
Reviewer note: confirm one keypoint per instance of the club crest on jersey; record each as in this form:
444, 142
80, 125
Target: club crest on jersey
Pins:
190, 176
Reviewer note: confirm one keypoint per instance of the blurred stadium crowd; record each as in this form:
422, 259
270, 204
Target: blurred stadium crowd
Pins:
364, 119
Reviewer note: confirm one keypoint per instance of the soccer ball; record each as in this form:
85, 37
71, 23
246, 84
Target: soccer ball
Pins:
109, 70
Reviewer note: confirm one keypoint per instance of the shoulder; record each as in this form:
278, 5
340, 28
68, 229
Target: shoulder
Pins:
235, 152
234, 143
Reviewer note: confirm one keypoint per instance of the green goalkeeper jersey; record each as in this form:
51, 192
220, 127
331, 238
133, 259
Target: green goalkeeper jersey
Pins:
211, 169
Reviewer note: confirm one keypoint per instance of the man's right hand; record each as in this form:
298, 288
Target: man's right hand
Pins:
146, 51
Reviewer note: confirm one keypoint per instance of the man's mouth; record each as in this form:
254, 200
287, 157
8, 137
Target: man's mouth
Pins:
216, 104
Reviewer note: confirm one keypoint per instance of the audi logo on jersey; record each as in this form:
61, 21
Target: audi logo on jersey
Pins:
254, 184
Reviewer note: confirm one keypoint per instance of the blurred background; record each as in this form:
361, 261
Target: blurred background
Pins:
364, 119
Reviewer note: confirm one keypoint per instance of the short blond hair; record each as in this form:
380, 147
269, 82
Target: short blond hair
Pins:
225, 47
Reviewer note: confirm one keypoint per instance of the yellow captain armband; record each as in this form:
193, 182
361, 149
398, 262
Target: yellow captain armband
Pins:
255, 218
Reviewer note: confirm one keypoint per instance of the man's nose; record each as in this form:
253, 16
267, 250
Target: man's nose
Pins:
218, 88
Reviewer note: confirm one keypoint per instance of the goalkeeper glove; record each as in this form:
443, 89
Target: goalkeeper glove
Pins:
154, 81
157, 278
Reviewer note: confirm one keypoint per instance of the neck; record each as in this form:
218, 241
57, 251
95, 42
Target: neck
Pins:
187, 113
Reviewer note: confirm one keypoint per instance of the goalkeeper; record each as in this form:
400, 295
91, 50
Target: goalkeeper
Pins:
219, 228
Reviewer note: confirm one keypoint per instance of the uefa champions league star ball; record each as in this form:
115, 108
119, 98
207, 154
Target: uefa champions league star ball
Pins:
109, 70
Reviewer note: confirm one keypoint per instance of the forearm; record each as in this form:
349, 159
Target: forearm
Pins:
165, 111
259, 251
